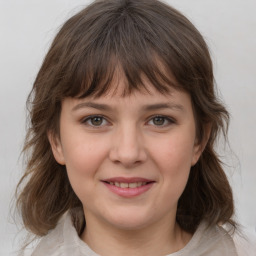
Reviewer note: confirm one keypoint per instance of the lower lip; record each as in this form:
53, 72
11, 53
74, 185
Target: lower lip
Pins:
129, 192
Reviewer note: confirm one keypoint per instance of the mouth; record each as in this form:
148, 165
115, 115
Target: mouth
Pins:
128, 187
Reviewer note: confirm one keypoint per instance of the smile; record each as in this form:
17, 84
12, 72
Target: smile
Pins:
128, 187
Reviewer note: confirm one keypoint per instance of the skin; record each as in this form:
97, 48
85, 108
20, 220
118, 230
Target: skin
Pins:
129, 141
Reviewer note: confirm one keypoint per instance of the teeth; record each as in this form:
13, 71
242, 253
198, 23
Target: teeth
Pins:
124, 185
133, 185
128, 185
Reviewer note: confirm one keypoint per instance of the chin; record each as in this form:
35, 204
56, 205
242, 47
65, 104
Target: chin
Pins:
130, 221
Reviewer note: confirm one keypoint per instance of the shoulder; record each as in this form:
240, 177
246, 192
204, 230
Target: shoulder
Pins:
245, 241
215, 240
209, 241
63, 240
54, 241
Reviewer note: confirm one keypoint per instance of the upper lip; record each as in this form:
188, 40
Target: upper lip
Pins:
127, 180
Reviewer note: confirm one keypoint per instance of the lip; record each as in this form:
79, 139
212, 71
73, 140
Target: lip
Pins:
128, 192
127, 180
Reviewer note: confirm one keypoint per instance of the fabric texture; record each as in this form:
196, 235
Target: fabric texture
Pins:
64, 241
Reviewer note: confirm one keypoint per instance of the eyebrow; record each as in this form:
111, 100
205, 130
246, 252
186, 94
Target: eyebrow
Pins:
149, 107
164, 106
92, 105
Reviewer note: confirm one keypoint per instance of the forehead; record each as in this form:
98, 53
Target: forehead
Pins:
146, 95
146, 99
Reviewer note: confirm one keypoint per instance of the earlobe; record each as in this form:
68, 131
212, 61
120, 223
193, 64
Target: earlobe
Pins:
199, 147
56, 148
197, 153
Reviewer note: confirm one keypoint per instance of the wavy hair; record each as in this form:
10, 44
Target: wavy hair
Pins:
146, 38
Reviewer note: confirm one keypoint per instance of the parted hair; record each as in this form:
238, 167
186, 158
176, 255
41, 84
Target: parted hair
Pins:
145, 38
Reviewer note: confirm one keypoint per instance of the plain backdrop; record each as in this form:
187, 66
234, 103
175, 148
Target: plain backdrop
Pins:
27, 28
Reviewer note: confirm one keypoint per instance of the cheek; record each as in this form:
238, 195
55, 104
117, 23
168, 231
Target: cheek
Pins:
177, 152
174, 158
83, 157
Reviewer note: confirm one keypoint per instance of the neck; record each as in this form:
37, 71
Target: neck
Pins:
156, 239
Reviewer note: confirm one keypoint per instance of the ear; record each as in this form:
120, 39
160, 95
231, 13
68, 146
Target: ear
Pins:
56, 147
199, 147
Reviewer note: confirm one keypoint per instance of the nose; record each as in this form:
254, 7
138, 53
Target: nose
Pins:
128, 147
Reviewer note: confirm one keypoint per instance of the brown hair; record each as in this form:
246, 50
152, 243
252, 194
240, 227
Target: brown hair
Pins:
136, 35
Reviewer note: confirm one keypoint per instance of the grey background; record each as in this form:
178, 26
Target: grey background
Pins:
27, 28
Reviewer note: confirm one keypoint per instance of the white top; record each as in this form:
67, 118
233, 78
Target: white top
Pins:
64, 241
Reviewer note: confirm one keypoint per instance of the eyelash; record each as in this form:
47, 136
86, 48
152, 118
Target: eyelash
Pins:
104, 119
166, 119
89, 119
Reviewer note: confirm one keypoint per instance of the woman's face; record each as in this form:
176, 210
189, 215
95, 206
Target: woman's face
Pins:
128, 158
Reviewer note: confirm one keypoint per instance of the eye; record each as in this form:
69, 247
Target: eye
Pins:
95, 121
160, 121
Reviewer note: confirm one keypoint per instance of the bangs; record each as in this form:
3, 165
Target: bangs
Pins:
101, 75
126, 44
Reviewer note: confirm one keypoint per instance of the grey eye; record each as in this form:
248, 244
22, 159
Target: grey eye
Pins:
96, 120
159, 120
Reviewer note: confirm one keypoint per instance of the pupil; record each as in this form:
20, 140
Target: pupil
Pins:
158, 120
96, 121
